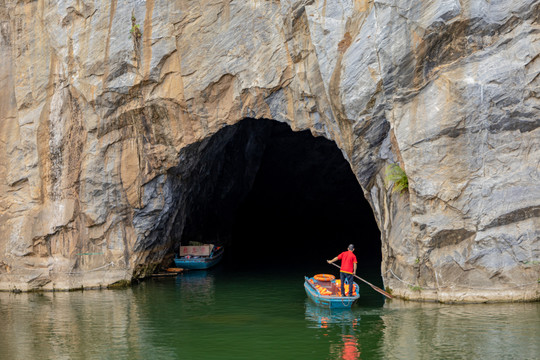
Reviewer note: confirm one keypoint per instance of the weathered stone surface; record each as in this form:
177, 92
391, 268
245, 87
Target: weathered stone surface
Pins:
108, 137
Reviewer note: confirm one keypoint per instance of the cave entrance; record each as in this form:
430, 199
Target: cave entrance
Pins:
301, 204
305, 206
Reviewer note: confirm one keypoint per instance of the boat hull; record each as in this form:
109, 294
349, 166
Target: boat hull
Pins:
330, 301
198, 263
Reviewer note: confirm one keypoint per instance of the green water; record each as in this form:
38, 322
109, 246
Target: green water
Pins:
235, 314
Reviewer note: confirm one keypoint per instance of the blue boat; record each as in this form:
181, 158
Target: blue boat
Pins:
199, 262
325, 291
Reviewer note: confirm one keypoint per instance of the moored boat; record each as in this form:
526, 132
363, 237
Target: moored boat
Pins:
324, 290
199, 257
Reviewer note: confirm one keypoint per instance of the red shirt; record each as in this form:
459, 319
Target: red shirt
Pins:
348, 259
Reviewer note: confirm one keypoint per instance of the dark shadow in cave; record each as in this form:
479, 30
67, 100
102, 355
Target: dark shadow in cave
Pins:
305, 206
276, 199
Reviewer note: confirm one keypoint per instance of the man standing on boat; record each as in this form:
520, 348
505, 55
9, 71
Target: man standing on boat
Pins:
348, 268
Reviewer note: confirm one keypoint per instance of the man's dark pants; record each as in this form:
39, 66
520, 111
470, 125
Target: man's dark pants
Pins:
346, 278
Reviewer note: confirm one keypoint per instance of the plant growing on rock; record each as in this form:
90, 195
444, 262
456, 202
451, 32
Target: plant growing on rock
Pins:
395, 174
135, 29
136, 36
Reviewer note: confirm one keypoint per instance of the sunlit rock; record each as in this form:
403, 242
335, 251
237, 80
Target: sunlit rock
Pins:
112, 116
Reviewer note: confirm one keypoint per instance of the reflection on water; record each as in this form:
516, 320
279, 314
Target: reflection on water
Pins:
197, 286
411, 330
320, 317
53, 325
344, 321
249, 315
469, 331
348, 350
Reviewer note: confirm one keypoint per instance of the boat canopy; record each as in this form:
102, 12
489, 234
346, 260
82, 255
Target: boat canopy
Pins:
201, 250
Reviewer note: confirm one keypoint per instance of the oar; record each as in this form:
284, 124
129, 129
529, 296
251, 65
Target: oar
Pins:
370, 284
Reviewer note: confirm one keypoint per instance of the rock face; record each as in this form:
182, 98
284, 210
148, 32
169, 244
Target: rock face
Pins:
113, 112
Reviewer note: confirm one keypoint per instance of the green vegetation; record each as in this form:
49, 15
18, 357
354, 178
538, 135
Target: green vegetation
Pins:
415, 288
136, 36
121, 284
417, 261
395, 174
135, 29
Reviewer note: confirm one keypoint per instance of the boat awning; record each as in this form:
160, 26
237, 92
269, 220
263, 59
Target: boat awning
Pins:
202, 250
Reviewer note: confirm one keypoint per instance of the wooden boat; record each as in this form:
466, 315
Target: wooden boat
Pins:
168, 272
199, 257
324, 290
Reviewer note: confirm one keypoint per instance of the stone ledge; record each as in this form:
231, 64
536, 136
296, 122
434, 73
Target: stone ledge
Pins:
470, 296
64, 282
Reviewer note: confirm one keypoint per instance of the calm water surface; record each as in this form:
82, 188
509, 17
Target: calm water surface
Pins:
232, 314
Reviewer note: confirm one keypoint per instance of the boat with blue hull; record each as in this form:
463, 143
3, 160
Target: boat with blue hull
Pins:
325, 291
197, 260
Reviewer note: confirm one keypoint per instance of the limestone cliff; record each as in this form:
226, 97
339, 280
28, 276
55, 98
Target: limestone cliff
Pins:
110, 112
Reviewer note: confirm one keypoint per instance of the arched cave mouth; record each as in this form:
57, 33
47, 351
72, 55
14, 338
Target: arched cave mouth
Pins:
278, 198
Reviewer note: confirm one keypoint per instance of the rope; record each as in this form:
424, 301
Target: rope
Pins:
70, 272
467, 287
84, 272
501, 289
411, 285
343, 302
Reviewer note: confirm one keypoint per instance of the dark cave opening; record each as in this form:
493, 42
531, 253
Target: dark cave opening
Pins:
305, 206
274, 198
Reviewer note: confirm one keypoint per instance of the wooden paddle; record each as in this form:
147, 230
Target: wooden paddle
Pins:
370, 284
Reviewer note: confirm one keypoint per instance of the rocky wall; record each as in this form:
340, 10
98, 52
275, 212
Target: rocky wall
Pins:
107, 107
